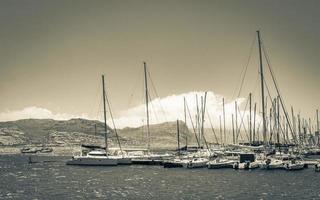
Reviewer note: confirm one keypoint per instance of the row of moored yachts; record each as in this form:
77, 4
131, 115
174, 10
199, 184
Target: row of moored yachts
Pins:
199, 159
244, 161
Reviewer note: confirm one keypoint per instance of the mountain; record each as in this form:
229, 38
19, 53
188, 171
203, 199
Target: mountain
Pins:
74, 132
162, 135
39, 130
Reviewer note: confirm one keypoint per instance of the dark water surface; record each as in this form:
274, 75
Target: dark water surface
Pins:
55, 180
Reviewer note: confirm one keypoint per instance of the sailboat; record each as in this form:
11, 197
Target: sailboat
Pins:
100, 157
177, 161
149, 155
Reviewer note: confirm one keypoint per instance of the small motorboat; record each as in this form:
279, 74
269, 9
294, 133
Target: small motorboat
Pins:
294, 165
220, 163
29, 150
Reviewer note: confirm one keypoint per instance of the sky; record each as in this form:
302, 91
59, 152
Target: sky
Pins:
53, 53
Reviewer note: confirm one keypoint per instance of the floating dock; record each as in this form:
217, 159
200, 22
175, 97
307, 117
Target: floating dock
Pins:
146, 162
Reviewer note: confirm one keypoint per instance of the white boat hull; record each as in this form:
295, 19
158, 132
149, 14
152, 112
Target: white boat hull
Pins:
254, 165
317, 167
220, 164
196, 163
92, 161
296, 166
271, 166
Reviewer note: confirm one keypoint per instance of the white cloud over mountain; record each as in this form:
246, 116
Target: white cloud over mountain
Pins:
169, 108
36, 113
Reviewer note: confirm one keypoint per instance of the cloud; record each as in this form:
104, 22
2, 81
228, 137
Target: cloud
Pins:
171, 108
36, 113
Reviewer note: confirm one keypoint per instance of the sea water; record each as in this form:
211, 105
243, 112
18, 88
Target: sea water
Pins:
55, 180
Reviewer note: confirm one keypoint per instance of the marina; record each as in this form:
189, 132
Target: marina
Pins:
284, 146
159, 99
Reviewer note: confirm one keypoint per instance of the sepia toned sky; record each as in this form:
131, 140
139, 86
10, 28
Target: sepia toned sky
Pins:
52, 53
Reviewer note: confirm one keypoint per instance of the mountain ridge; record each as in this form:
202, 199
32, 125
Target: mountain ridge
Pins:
77, 131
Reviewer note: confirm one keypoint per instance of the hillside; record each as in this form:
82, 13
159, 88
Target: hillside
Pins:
74, 132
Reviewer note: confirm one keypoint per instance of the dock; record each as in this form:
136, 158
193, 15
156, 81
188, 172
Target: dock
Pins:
147, 162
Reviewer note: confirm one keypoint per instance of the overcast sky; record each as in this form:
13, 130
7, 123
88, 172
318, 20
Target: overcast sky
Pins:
52, 53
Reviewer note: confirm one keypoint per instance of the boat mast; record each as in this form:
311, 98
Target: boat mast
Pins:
262, 92
198, 121
185, 118
318, 120
278, 120
254, 121
293, 121
318, 126
147, 102
178, 135
224, 123
250, 123
105, 116
233, 130
236, 110
220, 131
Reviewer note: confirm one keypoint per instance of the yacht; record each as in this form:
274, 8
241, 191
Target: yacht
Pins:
94, 158
272, 164
196, 163
220, 163
294, 165
101, 157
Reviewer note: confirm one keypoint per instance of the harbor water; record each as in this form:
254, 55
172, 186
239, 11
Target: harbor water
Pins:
55, 180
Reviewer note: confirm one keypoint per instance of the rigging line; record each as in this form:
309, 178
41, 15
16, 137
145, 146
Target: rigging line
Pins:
258, 131
153, 109
96, 102
268, 93
135, 86
265, 82
214, 133
242, 123
114, 126
283, 133
272, 128
156, 93
255, 86
244, 127
278, 91
244, 70
98, 111
203, 114
194, 130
